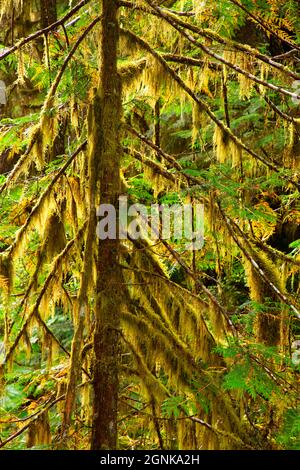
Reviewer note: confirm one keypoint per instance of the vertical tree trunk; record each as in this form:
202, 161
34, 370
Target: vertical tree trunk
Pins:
48, 12
106, 146
157, 125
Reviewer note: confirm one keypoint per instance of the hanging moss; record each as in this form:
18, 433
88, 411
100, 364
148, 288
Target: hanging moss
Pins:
130, 73
244, 61
39, 433
187, 438
226, 150
221, 142
217, 320
292, 149
6, 272
54, 237
268, 324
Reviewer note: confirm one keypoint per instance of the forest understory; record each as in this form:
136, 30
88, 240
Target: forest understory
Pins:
161, 341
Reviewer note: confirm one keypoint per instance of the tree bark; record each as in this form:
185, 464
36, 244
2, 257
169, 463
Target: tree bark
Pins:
157, 110
107, 150
48, 12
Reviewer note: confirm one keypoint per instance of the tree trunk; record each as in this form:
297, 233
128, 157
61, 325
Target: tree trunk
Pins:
106, 147
157, 130
48, 12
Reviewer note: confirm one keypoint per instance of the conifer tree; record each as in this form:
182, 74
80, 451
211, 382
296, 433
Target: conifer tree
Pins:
142, 343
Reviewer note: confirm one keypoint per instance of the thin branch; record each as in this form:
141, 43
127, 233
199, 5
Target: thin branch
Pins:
26, 426
41, 32
273, 252
157, 149
61, 346
285, 55
44, 196
66, 35
36, 416
263, 24
275, 108
23, 420
225, 100
19, 164
201, 286
44, 289
179, 59
212, 35
59, 76
221, 59
151, 164
270, 164
280, 295
165, 279
143, 371
50, 95
173, 162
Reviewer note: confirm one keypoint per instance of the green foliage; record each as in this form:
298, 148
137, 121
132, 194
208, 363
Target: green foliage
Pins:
290, 433
191, 343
